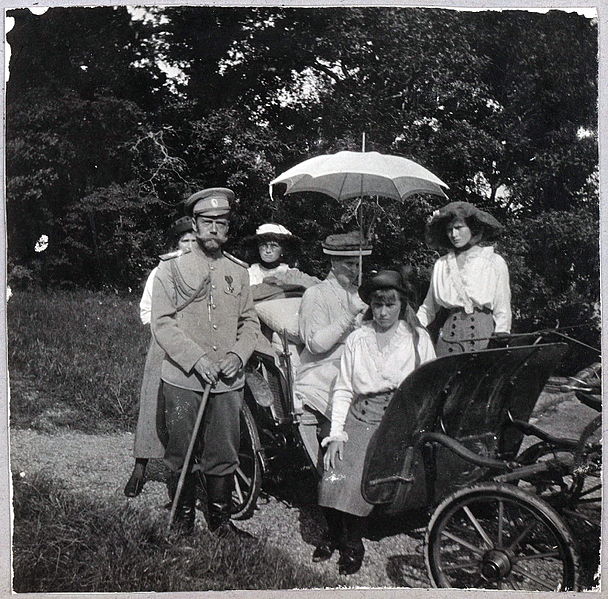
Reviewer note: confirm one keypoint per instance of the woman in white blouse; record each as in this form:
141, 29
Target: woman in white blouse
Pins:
376, 359
469, 293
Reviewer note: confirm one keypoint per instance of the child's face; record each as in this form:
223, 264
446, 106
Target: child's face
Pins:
270, 251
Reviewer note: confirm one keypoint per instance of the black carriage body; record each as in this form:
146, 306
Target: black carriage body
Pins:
418, 455
268, 394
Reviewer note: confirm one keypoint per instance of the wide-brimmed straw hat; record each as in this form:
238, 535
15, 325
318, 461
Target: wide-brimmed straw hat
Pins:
273, 232
435, 232
385, 279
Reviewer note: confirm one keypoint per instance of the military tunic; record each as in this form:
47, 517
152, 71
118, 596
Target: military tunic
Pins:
202, 306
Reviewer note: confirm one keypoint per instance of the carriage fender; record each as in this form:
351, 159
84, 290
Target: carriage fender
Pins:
259, 389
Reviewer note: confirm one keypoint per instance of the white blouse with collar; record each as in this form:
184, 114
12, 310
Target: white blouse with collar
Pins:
482, 281
365, 368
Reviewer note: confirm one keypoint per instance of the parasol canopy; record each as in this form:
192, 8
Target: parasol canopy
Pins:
346, 175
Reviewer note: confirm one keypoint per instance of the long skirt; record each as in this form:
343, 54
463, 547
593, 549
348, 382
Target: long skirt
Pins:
464, 332
151, 432
340, 488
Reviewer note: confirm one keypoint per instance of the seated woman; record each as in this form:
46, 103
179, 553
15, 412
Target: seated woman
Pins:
277, 287
273, 242
376, 359
469, 295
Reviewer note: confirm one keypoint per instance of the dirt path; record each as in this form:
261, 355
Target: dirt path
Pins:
98, 466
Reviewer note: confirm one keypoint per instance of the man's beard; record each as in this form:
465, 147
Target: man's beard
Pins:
211, 244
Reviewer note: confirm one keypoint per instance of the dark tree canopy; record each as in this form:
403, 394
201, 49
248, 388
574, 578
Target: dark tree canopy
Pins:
102, 146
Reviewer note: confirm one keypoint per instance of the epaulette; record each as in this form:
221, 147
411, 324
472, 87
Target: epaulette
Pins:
236, 260
174, 254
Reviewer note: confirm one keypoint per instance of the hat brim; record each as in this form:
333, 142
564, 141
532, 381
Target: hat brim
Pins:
380, 281
285, 240
435, 230
348, 253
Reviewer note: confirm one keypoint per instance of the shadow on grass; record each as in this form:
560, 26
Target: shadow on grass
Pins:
64, 543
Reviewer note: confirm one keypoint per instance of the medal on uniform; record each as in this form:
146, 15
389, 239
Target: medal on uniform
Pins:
229, 287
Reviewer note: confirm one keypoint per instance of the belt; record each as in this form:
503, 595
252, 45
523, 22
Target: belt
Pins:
452, 311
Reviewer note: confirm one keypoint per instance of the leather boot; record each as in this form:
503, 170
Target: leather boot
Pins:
219, 496
137, 479
332, 538
351, 549
185, 512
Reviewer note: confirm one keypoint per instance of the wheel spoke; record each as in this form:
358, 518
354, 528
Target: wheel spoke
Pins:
591, 490
476, 550
237, 488
522, 536
512, 584
478, 527
501, 517
461, 565
538, 556
243, 476
526, 574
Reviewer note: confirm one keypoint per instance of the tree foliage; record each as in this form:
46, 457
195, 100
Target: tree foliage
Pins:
102, 148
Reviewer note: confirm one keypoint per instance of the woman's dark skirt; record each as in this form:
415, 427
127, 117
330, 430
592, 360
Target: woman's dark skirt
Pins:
464, 332
151, 432
340, 488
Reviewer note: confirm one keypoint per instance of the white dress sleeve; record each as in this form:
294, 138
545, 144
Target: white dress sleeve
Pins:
343, 394
145, 304
425, 346
501, 308
429, 307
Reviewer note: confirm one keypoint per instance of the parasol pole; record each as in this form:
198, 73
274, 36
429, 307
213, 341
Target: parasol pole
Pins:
361, 229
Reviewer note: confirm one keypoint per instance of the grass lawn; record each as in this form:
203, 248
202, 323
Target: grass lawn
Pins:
76, 360
65, 543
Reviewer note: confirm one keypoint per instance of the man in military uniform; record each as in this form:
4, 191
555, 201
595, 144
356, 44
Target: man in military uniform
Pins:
203, 318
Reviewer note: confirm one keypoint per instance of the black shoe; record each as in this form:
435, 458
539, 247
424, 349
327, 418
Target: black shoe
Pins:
351, 558
185, 511
323, 551
227, 530
219, 497
134, 485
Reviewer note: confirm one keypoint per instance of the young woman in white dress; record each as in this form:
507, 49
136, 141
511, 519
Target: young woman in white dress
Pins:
469, 293
377, 357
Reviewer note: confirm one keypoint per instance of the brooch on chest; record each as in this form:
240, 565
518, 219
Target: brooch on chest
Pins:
229, 287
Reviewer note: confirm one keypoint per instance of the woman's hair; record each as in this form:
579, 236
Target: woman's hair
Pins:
387, 295
476, 228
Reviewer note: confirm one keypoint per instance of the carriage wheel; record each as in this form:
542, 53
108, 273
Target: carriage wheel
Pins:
248, 475
496, 536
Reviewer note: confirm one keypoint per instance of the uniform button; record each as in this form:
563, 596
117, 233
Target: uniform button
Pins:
215, 326
212, 286
214, 348
452, 334
450, 349
362, 411
213, 306
453, 326
212, 268
384, 409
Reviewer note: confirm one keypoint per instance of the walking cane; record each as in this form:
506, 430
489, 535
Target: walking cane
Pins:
186, 465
